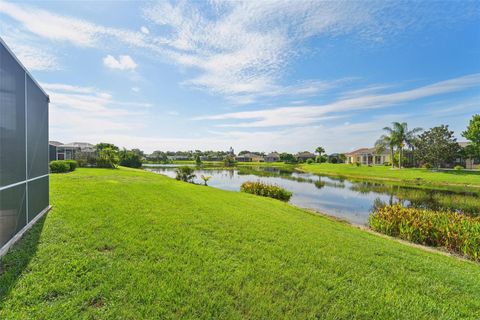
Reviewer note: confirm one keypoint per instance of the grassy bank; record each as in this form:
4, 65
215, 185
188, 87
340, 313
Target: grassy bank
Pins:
406, 175
128, 244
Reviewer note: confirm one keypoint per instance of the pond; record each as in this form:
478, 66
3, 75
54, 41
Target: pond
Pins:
351, 200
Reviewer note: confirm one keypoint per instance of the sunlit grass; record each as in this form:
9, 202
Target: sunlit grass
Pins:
128, 244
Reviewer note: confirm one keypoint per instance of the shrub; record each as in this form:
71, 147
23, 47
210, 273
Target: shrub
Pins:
458, 168
72, 164
456, 232
229, 161
387, 164
310, 161
427, 166
358, 164
266, 190
107, 158
334, 160
130, 159
59, 166
185, 173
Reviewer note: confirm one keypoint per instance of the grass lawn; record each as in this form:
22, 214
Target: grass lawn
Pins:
406, 175
128, 244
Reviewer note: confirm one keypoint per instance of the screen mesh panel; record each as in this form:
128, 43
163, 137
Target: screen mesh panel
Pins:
12, 120
12, 212
37, 196
37, 130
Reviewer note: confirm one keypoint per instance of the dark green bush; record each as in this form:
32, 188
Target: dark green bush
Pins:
427, 166
72, 164
59, 166
358, 164
266, 190
130, 159
310, 161
456, 232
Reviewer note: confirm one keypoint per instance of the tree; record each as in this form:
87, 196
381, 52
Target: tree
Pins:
139, 152
288, 158
105, 145
107, 158
205, 179
437, 146
398, 136
320, 150
342, 157
198, 161
229, 161
185, 173
472, 133
386, 141
130, 159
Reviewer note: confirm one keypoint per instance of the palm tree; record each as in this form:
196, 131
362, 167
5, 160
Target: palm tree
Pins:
403, 137
386, 141
320, 150
205, 178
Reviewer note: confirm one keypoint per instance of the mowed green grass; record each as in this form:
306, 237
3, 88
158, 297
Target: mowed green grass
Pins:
407, 175
128, 244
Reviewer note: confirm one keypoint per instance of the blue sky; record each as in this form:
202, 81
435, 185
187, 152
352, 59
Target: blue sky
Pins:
270, 75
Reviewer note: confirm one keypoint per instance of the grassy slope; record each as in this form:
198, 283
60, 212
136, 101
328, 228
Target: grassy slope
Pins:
125, 244
466, 178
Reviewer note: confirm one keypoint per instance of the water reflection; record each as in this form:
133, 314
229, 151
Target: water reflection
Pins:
348, 199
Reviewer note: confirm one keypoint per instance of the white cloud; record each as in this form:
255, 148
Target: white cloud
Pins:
34, 58
135, 89
302, 115
77, 111
124, 62
240, 49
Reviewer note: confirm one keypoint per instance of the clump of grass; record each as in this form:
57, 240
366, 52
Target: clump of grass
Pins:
453, 231
266, 190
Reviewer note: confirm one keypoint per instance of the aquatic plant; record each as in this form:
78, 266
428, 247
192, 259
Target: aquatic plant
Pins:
450, 230
266, 190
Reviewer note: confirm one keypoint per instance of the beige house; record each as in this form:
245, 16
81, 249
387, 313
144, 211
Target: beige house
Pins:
249, 157
368, 156
272, 157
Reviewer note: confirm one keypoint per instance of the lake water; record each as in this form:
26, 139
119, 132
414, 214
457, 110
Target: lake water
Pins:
342, 198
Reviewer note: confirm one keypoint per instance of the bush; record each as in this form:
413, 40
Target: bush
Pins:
334, 160
458, 168
266, 190
427, 166
185, 173
59, 166
130, 159
456, 232
358, 164
107, 158
72, 164
387, 164
310, 161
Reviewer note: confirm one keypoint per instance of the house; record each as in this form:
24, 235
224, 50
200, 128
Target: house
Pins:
272, 157
60, 151
304, 156
368, 156
334, 158
24, 178
249, 157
